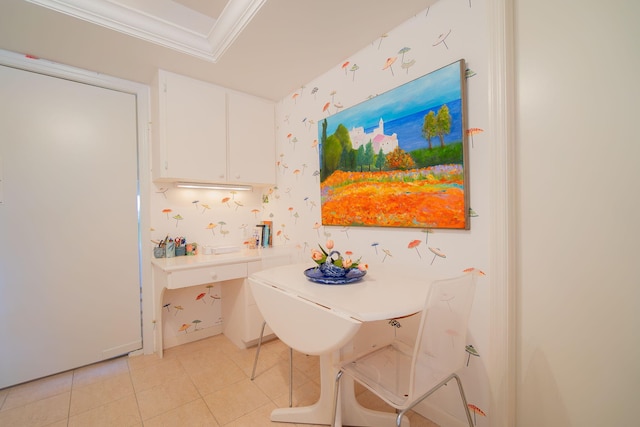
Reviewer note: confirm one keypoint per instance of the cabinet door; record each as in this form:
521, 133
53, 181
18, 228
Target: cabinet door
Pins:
192, 129
251, 139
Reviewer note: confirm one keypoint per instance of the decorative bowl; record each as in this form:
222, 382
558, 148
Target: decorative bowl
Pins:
352, 275
332, 270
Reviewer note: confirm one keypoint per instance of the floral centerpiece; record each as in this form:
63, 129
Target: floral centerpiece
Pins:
332, 263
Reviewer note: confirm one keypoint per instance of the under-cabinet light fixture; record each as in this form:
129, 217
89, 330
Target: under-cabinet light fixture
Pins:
204, 186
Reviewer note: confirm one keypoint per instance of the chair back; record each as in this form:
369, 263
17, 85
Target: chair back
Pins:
301, 324
440, 345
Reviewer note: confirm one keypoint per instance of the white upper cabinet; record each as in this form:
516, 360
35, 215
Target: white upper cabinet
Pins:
206, 133
251, 134
190, 132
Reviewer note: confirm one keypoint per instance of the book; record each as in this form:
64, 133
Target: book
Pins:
268, 240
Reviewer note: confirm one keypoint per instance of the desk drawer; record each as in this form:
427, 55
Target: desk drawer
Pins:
200, 276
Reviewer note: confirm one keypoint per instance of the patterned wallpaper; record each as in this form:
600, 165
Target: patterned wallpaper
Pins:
444, 33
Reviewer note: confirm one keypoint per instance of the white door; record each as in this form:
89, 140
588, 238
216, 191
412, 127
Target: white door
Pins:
69, 249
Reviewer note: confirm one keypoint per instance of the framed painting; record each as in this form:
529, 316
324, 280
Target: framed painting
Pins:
399, 159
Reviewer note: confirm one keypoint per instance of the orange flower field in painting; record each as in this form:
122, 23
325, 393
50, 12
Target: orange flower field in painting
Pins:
429, 197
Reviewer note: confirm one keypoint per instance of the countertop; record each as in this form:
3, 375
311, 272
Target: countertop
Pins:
196, 261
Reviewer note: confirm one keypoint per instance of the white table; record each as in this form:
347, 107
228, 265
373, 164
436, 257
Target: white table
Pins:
321, 319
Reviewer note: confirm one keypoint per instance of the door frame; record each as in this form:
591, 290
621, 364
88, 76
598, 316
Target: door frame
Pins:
503, 240
143, 105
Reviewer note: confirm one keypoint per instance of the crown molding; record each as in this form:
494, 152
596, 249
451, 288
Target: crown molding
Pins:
164, 22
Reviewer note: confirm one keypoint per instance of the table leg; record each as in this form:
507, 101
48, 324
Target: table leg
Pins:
352, 413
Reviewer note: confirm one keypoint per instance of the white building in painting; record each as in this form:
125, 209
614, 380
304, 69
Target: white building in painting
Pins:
378, 139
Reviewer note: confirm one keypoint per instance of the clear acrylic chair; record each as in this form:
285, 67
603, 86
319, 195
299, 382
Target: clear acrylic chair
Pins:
255, 364
404, 374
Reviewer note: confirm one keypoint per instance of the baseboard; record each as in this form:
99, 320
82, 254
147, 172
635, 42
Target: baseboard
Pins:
180, 339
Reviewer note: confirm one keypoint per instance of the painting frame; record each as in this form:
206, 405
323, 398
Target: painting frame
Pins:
399, 159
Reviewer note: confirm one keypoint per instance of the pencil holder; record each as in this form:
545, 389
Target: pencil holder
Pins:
171, 249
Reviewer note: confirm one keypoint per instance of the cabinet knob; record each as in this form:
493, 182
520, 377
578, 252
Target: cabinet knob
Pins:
214, 274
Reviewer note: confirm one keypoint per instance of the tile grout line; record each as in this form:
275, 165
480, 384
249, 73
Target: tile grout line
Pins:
198, 390
73, 375
135, 392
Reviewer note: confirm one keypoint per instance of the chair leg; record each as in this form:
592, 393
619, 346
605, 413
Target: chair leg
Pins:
255, 363
464, 400
290, 377
336, 390
430, 392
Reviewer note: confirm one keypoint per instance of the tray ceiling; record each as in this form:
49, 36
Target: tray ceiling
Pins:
267, 48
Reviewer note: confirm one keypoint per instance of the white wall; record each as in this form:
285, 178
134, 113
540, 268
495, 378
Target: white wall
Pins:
578, 195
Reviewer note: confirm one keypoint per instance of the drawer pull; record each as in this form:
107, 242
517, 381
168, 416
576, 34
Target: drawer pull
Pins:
214, 274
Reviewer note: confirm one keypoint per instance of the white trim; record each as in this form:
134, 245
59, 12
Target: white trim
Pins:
169, 24
502, 322
143, 104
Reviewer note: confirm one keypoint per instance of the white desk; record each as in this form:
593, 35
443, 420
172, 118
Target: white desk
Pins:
384, 293
242, 319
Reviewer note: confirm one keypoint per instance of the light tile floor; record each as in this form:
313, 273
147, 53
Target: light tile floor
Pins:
204, 383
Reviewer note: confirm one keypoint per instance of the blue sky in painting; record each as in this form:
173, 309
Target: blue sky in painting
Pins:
424, 93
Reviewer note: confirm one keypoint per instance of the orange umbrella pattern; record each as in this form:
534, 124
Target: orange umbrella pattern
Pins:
415, 244
473, 131
201, 296
344, 67
476, 411
184, 327
470, 269
389, 64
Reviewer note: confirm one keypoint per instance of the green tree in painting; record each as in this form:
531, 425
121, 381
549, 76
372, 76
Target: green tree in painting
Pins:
331, 155
348, 159
399, 159
429, 129
368, 155
381, 160
323, 138
443, 123
360, 159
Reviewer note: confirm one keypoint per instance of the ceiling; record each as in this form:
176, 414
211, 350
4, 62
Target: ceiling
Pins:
287, 44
